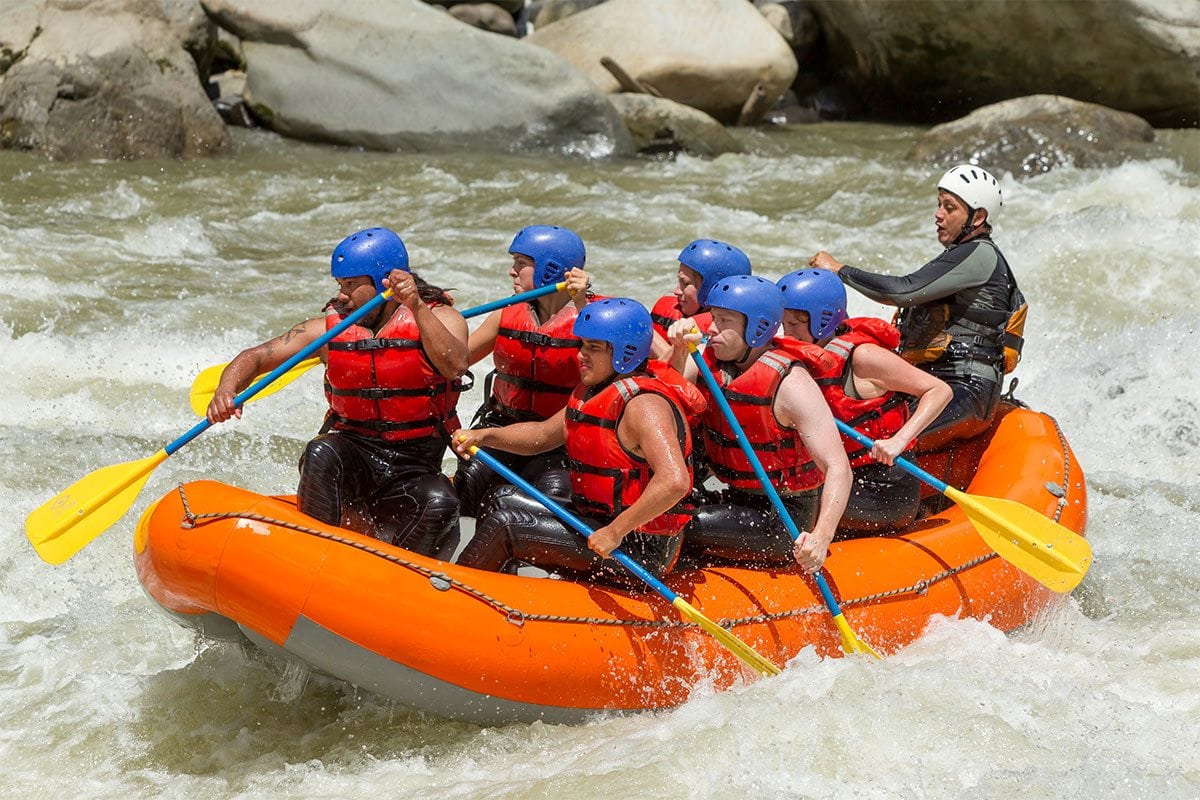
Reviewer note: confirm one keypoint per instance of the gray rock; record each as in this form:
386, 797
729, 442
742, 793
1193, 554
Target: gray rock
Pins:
194, 30
231, 83
103, 79
938, 59
1032, 135
549, 11
707, 54
20, 22
780, 20
485, 16
659, 125
511, 6
412, 79
805, 30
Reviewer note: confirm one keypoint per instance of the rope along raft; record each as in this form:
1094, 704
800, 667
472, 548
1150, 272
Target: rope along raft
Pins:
443, 582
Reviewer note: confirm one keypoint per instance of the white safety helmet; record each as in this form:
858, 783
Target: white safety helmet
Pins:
976, 187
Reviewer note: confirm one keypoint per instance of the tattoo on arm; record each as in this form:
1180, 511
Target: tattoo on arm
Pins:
292, 334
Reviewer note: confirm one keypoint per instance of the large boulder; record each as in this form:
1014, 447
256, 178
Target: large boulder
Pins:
543, 12
708, 54
1031, 135
104, 79
192, 27
801, 29
413, 78
486, 17
935, 60
511, 6
661, 126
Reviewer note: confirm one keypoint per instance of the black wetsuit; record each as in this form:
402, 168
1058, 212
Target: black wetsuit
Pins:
474, 481
396, 488
514, 529
974, 280
740, 527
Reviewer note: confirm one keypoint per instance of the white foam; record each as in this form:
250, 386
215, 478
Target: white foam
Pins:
109, 311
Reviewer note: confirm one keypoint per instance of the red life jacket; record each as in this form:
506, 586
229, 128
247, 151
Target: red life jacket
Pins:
605, 477
751, 396
536, 365
666, 311
384, 385
879, 417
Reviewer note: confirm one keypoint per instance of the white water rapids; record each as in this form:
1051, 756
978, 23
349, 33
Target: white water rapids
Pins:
120, 281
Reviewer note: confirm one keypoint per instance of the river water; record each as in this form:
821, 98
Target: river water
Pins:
120, 281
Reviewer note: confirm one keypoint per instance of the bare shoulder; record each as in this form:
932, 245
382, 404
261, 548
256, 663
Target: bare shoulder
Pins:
447, 312
797, 398
650, 403
648, 413
648, 424
453, 319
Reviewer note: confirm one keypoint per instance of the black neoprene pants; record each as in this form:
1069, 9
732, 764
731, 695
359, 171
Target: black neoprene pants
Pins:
968, 413
738, 527
514, 527
393, 491
475, 481
881, 498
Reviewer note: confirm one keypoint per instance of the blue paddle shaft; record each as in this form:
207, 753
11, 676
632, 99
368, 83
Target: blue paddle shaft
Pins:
262, 383
739, 434
503, 302
570, 519
249, 392
904, 464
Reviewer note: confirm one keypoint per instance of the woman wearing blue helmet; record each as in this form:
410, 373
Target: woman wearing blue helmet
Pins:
868, 388
534, 352
392, 383
767, 383
627, 434
702, 265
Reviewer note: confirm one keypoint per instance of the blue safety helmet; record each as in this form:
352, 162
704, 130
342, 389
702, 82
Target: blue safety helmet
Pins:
820, 294
714, 261
374, 252
554, 250
755, 298
623, 323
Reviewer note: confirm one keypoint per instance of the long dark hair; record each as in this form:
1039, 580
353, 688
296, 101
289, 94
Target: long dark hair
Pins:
430, 293
426, 290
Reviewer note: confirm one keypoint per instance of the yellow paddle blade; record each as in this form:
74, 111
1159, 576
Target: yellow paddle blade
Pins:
1052, 554
850, 641
735, 645
64, 524
205, 385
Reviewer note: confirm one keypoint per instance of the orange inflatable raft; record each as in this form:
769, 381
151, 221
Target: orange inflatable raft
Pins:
491, 648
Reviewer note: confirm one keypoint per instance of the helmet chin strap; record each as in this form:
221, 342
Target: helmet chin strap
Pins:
967, 229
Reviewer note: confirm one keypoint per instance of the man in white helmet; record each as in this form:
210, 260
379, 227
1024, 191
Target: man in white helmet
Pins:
955, 310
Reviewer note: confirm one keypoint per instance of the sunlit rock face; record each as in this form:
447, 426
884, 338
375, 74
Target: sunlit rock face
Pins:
707, 54
934, 60
412, 78
1031, 135
117, 79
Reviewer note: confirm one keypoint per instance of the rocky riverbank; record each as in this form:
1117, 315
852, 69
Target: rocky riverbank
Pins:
153, 78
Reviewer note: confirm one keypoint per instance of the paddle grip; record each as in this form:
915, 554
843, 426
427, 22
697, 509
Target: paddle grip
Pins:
570, 519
